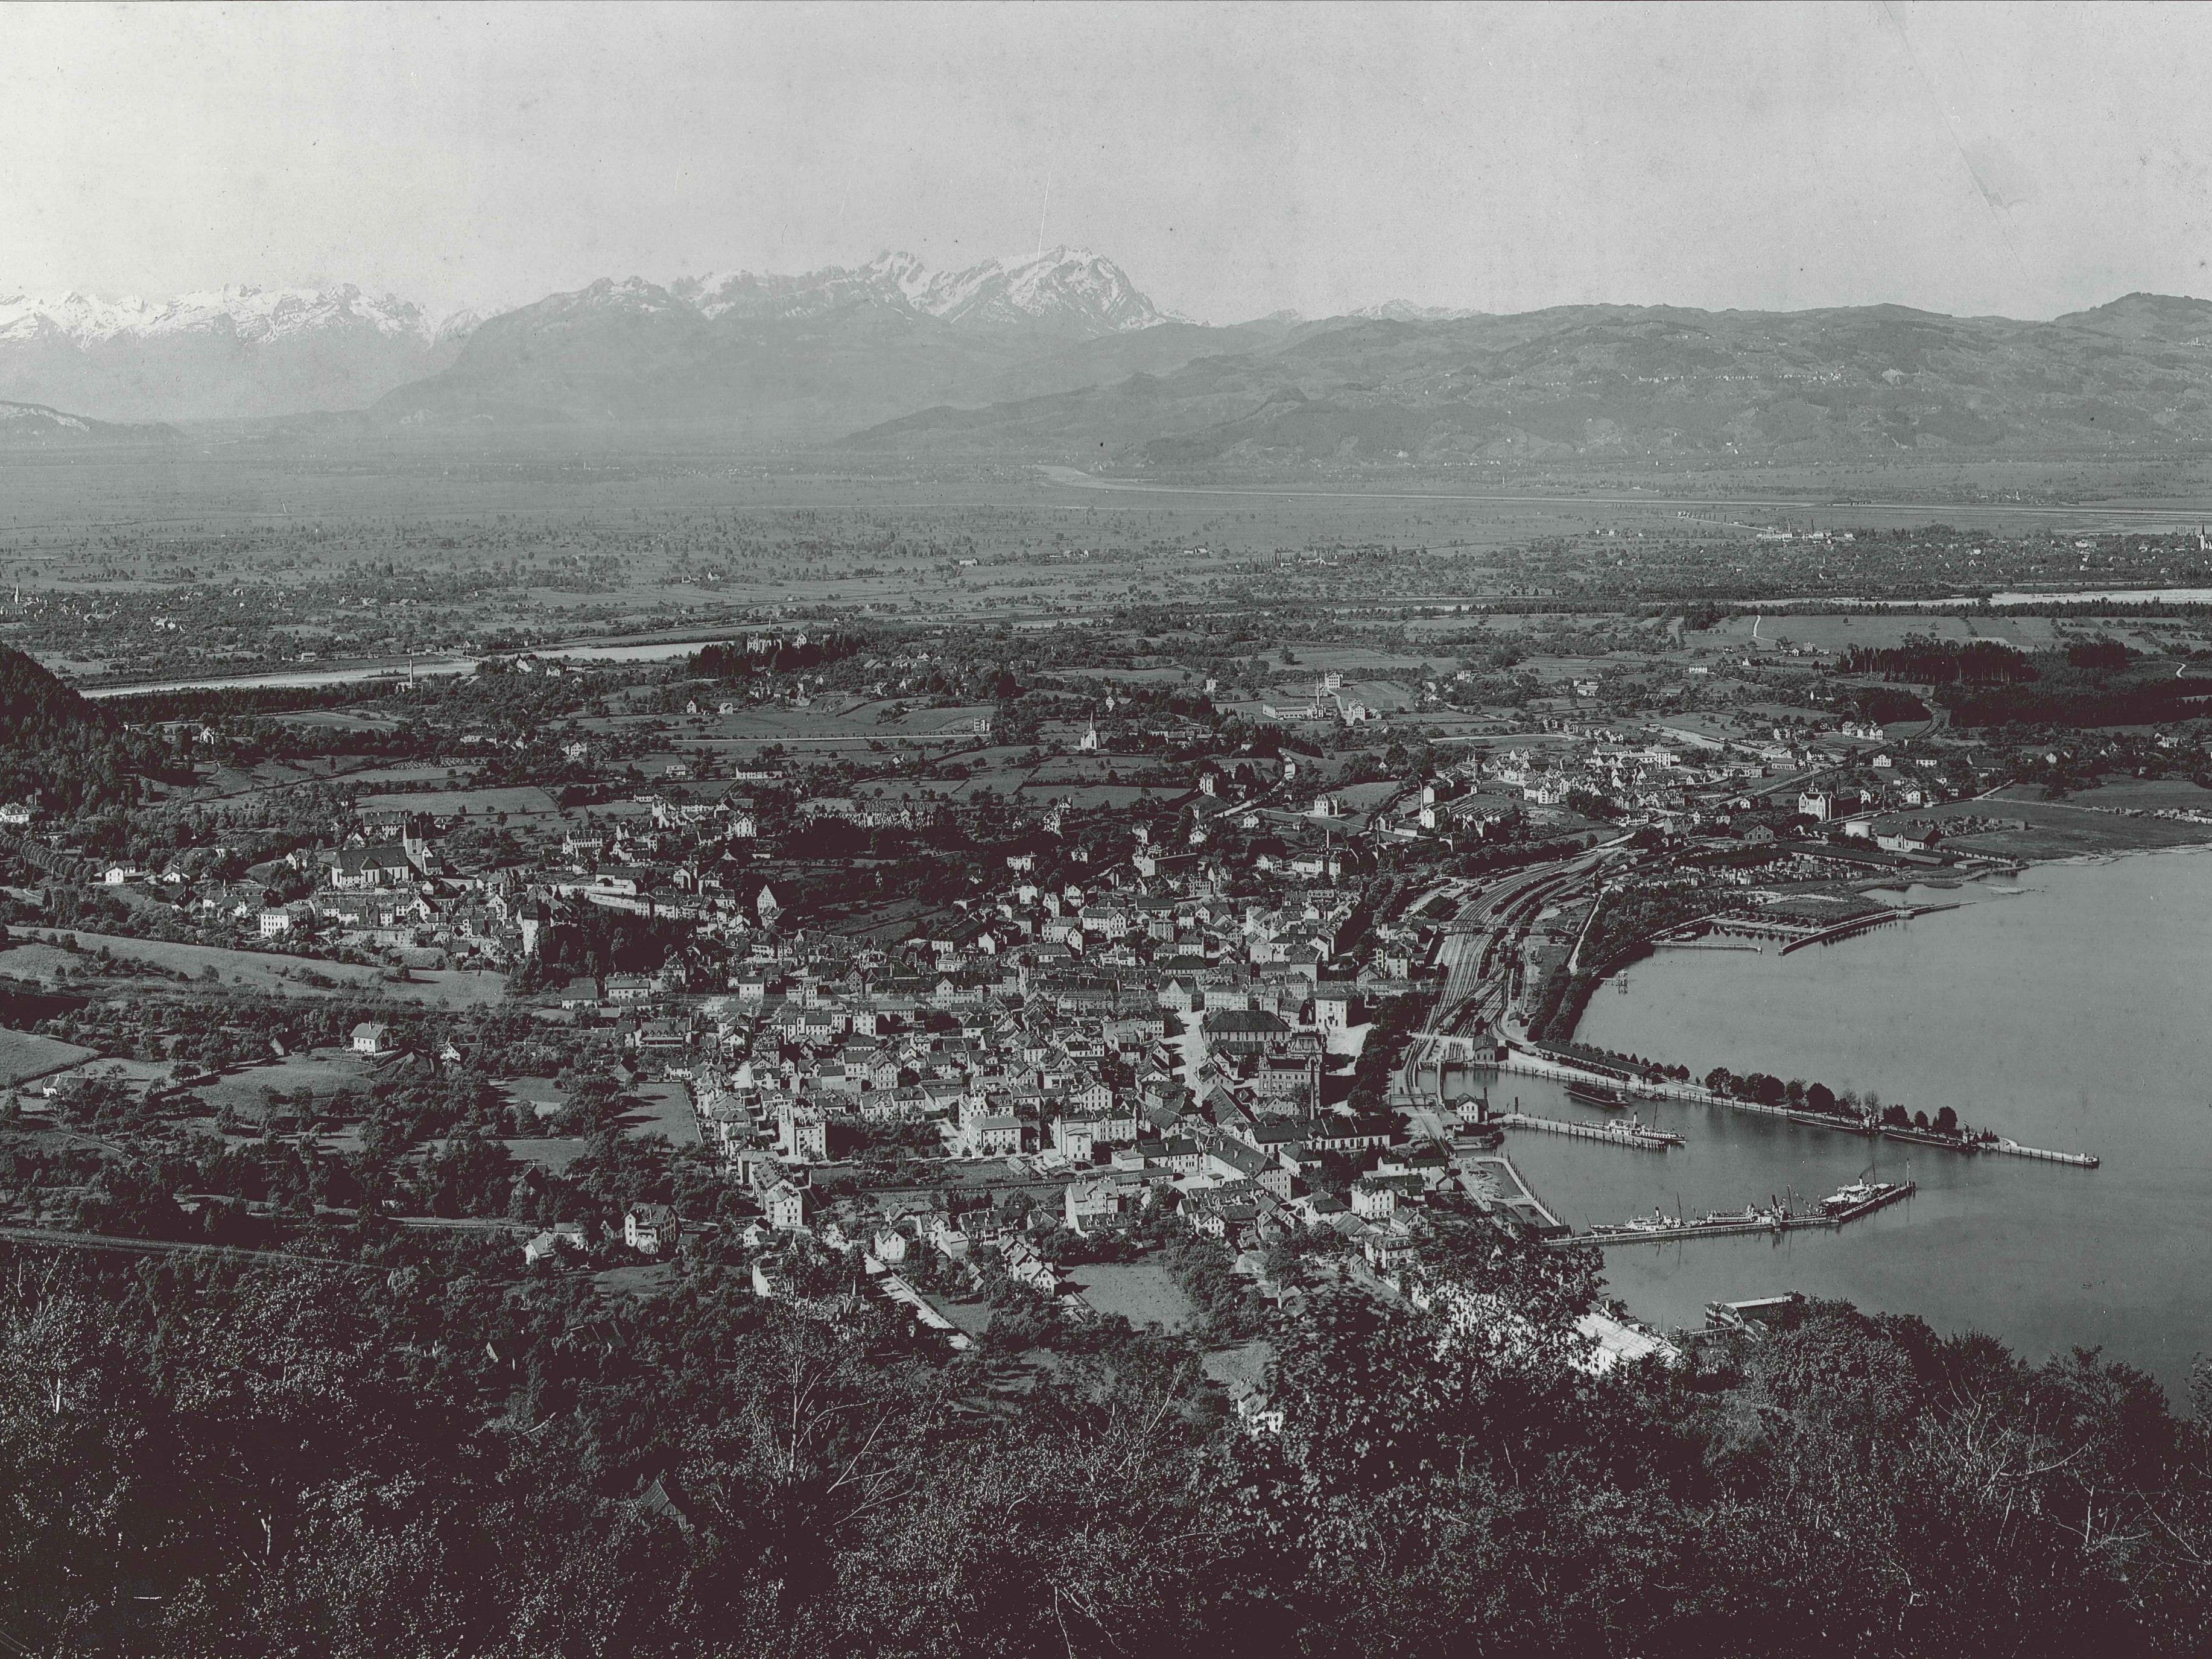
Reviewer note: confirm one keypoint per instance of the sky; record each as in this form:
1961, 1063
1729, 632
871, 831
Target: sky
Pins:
1234, 159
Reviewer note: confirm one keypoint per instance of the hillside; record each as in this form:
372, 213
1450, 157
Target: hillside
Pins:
57, 751
1619, 382
24, 424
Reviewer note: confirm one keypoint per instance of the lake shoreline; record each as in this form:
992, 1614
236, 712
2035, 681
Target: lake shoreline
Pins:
2065, 1020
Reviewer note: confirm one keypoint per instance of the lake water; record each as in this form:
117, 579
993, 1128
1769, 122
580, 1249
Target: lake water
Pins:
2070, 1010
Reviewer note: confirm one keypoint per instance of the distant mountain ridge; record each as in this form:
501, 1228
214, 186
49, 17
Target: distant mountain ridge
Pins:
223, 352
248, 351
1061, 357
252, 314
1629, 382
36, 423
804, 358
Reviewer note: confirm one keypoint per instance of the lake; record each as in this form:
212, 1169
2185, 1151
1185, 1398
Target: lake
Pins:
2068, 1009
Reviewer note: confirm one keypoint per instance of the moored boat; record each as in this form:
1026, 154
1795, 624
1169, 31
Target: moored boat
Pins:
1856, 1195
1597, 1094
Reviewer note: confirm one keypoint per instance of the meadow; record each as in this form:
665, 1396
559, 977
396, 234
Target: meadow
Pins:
269, 972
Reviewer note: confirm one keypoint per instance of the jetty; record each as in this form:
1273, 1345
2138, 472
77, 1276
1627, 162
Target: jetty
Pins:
2013, 1149
1771, 1223
1794, 932
1638, 1137
1519, 1198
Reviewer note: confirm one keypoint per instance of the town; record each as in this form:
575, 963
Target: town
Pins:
933, 959
1109, 1016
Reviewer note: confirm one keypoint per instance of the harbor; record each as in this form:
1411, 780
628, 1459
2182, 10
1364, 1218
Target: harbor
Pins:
2093, 1086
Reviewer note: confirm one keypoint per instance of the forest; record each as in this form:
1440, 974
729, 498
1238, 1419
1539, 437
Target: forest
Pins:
59, 751
203, 1456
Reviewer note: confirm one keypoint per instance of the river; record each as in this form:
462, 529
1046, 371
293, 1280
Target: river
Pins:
351, 673
2068, 1009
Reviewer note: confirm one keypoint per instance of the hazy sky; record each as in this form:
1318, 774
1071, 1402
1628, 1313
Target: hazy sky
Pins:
2026, 160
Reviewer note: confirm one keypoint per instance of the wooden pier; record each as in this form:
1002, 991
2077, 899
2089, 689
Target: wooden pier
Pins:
2014, 1149
1635, 1140
1772, 1226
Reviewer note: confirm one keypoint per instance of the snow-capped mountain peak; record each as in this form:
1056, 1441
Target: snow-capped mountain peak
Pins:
1068, 290
1404, 311
1070, 286
238, 350
251, 314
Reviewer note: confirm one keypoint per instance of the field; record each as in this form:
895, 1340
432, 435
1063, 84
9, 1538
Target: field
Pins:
668, 1112
527, 799
550, 1154
1875, 630
538, 1093
2076, 827
1140, 1292
643, 1277
322, 1071
36, 962
282, 976
24, 1056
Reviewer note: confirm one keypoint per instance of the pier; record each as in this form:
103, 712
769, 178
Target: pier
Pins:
1795, 935
1636, 1138
1521, 1198
2014, 1149
1771, 1224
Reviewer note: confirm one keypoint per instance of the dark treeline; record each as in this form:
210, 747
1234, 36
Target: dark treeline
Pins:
2084, 700
203, 1457
215, 702
780, 654
2091, 683
1940, 662
1884, 704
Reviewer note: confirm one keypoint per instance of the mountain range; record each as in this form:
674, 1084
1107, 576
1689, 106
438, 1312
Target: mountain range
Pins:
1653, 384
804, 359
1061, 356
246, 351
226, 352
